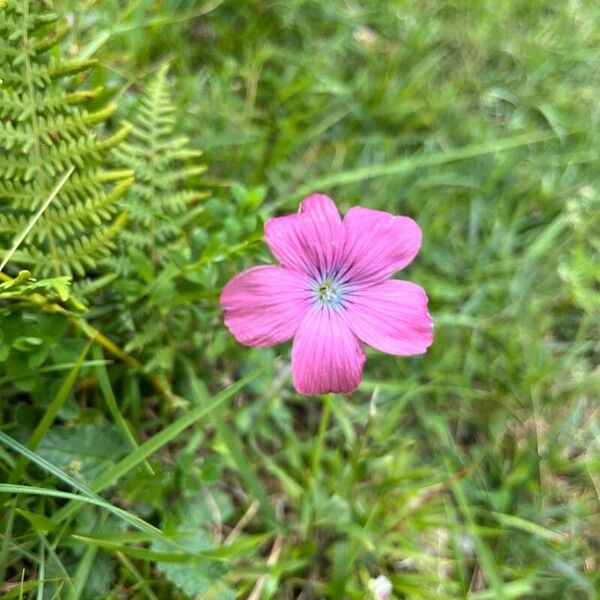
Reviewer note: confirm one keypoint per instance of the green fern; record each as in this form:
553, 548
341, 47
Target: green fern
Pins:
159, 202
23, 286
45, 130
161, 205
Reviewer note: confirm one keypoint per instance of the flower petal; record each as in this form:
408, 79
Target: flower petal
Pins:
391, 317
377, 244
321, 204
310, 241
264, 306
326, 356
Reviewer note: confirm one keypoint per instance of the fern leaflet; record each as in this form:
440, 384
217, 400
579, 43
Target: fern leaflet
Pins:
45, 129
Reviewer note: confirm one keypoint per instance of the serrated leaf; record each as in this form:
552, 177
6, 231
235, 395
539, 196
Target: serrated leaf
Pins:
84, 450
195, 578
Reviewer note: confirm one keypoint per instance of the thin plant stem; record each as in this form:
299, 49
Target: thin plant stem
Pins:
318, 450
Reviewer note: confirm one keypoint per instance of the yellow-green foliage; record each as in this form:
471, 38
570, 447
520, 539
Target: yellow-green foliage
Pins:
23, 286
45, 130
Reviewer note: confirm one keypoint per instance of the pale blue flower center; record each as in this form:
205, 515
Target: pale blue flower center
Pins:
328, 292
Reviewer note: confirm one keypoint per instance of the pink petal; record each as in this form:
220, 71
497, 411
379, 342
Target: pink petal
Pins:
326, 356
310, 241
264, 306
321, 204
391, 317
377, 244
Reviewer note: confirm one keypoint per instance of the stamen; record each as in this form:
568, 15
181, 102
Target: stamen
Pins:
329, 292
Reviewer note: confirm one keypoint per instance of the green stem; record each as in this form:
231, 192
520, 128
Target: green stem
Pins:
318, 450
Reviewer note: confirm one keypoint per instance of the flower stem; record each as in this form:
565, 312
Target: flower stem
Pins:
324, 421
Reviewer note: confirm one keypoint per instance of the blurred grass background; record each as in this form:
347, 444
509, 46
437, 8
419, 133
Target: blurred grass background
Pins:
469, 472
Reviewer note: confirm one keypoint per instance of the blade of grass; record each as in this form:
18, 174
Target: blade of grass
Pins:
6, 539
41, 572
61, 576
58, 473
513, 589
488, 564
141, 582
22, 582
45, 465
50, 414
34, 219
415, 162
111, 401
84, 567
527, 526
161, 439
244, 467
234, 550
461, 558
133, 520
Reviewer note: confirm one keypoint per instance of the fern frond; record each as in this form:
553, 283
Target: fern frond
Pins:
14, 106
45, 130
23, 285
49, 129
80, 252
160, 204
163, 164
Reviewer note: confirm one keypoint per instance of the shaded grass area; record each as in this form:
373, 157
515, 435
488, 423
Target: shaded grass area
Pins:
470, 472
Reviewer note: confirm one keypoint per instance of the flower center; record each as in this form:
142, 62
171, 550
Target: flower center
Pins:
328, 292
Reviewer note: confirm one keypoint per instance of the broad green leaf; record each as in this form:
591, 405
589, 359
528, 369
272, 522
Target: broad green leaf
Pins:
165, 436
51, 412
195, 578
85, 449
41, 523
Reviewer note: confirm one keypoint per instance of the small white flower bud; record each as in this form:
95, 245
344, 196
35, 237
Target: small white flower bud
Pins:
467, 544
381, 587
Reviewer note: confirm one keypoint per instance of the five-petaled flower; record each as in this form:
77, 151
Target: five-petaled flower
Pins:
332, 293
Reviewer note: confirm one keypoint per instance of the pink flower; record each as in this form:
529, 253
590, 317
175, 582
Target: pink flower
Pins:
332, 293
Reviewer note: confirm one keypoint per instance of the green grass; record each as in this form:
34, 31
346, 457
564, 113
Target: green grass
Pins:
470, 472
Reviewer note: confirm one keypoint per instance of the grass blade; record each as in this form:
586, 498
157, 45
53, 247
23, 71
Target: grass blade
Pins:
84, 567
161, 439
6, 538
223, 553
42, 573
50, 414
488, 564
34, 219
419, 161
244, 467
133, 520
111, 401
